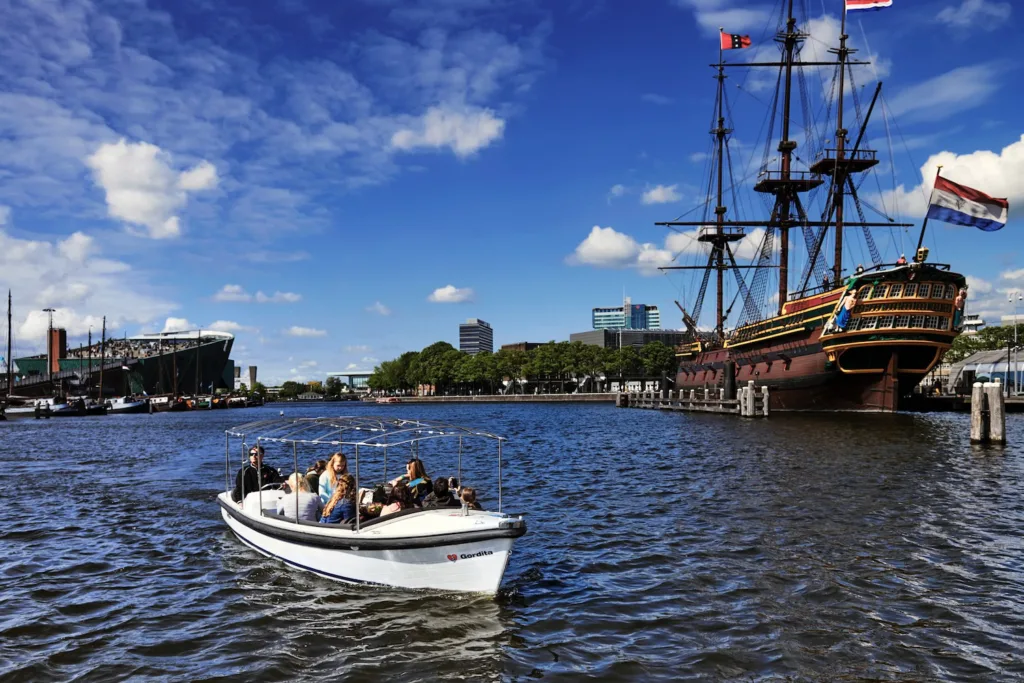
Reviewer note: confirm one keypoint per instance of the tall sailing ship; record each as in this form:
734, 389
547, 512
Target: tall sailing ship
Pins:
841, 338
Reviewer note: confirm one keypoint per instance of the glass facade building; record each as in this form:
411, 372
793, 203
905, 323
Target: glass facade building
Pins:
475, 336
628, 316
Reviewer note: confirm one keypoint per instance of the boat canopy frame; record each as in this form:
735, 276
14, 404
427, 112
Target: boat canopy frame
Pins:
364, 431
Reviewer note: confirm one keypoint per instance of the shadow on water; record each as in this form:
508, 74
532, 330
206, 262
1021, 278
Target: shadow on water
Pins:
661, 546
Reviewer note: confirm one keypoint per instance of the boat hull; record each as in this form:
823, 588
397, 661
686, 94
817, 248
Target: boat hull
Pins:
476, 566
128, 407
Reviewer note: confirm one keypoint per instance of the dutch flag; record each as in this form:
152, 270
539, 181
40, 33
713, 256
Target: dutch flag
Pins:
961, 205
867, 4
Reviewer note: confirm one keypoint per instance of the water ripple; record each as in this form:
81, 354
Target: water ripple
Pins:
661, 547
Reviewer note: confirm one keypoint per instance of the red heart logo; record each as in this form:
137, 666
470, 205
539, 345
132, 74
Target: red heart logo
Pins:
453, 557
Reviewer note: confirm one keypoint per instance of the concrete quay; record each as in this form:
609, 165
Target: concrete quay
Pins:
512, 398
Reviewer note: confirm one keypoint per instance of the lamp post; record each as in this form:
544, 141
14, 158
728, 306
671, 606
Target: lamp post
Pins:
1016, 352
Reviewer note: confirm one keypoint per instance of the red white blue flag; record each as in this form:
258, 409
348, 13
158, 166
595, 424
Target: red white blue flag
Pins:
867, 4
962, 205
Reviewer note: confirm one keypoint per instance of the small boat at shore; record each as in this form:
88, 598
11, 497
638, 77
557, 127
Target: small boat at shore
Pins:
447, 549
123, 405
388, 399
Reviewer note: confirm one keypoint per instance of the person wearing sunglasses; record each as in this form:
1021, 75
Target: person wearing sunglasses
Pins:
253, 475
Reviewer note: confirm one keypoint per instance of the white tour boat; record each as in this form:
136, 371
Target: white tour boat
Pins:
120, 405
450, 549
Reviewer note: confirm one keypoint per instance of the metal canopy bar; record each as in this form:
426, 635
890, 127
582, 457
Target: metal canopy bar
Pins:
370, 431
772, 224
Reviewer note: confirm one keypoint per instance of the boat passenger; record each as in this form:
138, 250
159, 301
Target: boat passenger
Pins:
336, 466
253, 475
313, 475
399, 499
300, 498
342, 505
441, 496
415, 478
469, 498
901, 261
860, 269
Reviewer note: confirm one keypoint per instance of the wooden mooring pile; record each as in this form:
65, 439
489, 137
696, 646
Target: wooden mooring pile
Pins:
749, 401
988, 413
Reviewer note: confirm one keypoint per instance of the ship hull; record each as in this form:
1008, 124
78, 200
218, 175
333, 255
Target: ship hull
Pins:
808, 383
901, 322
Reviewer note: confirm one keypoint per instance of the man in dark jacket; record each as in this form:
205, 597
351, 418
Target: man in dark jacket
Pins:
440, 497
253, 475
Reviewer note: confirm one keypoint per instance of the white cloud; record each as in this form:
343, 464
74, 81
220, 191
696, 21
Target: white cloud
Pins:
978, 286
278, 298
464, 130
237, 293
370, 359
141, 187
1012, 275
378, 308
229, 326
296, 331
655, 98
617, 190
698, 157
357, 348
352, 366
178, 325
982, 14
606, 248
995, 174
661, 194
71, 275
306, 364
232, 293
955, 91
711, 14
450, 294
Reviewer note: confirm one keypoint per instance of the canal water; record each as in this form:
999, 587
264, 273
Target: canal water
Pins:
660, 547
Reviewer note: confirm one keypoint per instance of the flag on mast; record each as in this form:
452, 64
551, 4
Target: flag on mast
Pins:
962, 205
734, 41
867, 4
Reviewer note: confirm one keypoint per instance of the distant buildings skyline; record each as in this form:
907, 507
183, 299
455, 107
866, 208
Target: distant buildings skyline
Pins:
476, 335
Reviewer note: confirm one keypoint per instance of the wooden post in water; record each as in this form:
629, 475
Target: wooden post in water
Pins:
996, 412
979, 431
751, 391
765, 398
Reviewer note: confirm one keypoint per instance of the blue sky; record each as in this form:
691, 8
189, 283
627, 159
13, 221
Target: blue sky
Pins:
336, 183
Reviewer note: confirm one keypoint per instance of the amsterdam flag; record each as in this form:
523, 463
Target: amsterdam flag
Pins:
734, 41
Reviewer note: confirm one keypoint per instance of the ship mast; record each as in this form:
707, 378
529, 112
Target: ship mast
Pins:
10, 375
839, 179
720, 239
786, 146
103, 354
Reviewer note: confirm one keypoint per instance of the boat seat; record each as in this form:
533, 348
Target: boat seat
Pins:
270, 498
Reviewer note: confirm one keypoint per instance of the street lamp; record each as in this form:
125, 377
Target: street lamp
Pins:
1016, 351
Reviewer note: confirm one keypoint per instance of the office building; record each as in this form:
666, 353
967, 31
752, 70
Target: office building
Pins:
614, 339
520, 346
628, 316
475, 336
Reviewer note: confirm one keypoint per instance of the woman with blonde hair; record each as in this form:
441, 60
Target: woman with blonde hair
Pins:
342, 504
337, 466
299, 500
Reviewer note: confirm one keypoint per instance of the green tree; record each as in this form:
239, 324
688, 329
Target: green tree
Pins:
512, 364
259, 390
658, 359
332, 388
987, 339
291, 389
